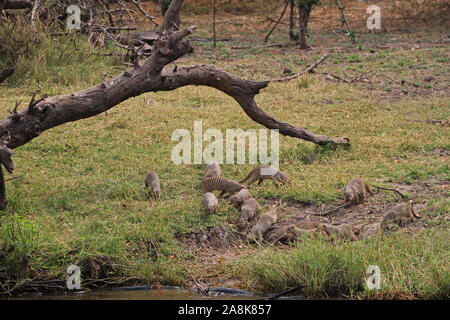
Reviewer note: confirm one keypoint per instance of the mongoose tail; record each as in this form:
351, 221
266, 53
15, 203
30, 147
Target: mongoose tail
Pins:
345, 205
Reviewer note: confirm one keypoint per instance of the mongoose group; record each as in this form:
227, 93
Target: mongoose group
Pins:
266, 227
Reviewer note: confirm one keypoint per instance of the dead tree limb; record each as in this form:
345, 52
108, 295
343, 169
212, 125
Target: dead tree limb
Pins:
308, 69
149, 17
149, 75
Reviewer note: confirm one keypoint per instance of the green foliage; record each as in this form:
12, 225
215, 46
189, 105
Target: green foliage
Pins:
416, 265
165, 4
19, 239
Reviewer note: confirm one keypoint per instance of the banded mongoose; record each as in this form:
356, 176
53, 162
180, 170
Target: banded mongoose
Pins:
262, 173
264, 223
152, 182
400, 214
248, 210
307, 225
343, 231
286, 233
239, 198
212, 170
355, 192
219, 183
210, 202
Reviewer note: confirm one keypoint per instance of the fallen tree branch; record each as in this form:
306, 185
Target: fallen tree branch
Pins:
258, 47
149, 75
149, 17
285, 292
339, 78
207, 39
308, 69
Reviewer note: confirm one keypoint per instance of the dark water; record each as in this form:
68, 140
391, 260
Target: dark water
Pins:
165, 294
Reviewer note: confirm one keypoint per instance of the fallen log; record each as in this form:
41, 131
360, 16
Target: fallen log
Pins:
149, 75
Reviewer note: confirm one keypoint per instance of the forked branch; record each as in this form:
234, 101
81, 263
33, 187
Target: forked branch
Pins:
20, 127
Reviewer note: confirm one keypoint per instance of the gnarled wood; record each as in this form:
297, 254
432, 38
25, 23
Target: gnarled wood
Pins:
18, 128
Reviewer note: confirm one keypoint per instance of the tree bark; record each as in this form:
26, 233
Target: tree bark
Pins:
292, 36
18, 128
304, 11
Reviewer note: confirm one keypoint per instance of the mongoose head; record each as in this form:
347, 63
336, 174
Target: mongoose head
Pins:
211, 208
281, 177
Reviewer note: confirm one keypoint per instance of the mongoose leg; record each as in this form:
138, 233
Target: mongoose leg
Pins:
260, 181
221, 194
274, 180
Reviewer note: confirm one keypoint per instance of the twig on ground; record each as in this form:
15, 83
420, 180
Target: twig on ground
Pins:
308, 69
258, 47
390, 189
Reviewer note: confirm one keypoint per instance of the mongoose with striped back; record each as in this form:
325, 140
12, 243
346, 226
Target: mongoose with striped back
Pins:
286, 233
266, 220
212, 170
343, 231
264, 172
400, 214
239, 198
219, 183
307, 225
152, 182
210, 202
248, 210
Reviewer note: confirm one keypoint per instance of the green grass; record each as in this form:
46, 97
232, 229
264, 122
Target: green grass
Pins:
80, 192
410, 267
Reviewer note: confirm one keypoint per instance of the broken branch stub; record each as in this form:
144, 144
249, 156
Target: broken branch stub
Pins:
149, 75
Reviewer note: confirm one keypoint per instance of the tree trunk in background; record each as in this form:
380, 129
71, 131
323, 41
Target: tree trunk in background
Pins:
304, 11
292, 36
